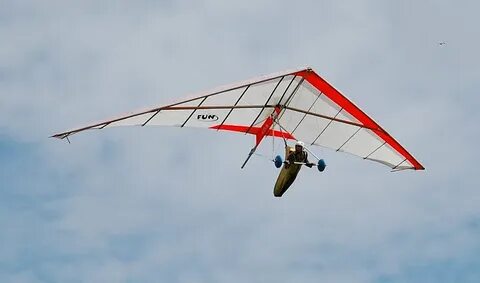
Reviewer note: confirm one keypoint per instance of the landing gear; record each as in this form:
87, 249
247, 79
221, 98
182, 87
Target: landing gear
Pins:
278, 161
321, 165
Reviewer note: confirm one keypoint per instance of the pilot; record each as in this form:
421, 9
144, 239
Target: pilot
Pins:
299, 156
293, 164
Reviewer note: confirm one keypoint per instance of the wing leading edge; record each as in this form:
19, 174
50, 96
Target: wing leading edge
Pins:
306, 107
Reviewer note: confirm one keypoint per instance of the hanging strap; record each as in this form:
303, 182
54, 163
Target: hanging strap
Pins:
281, 128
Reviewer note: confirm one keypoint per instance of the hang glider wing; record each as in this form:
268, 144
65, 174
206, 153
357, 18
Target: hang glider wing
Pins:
297, 105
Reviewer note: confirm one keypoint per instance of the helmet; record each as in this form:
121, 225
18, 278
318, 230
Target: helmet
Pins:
300, 143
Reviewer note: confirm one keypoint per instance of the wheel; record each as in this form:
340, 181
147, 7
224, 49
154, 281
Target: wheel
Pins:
321, 165
278, 161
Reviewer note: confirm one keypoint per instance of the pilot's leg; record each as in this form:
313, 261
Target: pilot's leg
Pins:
279, 185
285, 183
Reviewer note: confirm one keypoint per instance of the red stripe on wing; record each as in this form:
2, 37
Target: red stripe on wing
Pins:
332, 93
253, 131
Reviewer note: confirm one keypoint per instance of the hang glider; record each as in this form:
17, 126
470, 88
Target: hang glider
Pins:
294, 105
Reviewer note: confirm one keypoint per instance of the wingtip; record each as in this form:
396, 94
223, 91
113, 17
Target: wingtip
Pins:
59, 136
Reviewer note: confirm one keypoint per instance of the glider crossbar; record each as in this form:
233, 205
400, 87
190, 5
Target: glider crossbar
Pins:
231, 107
331, 118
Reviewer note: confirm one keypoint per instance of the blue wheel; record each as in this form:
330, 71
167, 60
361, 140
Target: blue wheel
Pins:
321, 165
278, 161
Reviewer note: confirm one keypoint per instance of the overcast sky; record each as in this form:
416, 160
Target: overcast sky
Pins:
160, 204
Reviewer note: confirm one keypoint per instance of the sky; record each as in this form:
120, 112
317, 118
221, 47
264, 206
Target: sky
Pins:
160, 204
